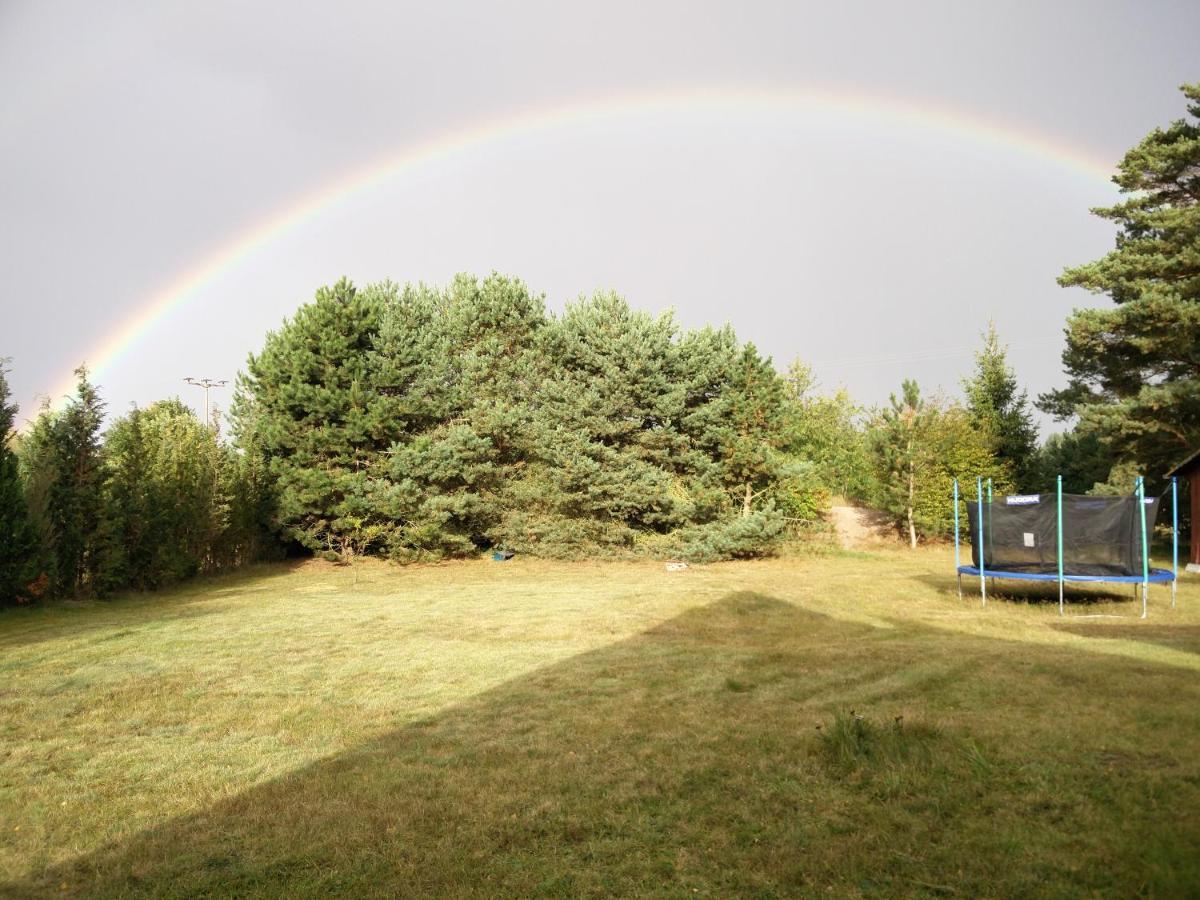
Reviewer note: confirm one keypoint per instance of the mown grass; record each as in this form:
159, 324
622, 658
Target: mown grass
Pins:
793, 727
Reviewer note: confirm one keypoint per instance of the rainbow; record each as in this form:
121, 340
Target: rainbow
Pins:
892, 111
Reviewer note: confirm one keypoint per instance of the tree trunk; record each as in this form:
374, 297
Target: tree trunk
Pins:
746, 502
912, 528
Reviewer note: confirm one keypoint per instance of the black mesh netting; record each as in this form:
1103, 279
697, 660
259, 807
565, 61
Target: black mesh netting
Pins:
1101, 535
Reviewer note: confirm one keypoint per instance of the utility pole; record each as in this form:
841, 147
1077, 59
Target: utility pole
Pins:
207, 384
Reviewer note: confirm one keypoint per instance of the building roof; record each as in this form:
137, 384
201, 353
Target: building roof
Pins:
1187, 465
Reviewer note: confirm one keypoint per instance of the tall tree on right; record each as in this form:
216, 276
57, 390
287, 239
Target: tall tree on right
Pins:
1134, 370
1000, 408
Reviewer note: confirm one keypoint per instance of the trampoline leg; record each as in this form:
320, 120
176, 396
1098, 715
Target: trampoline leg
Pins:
1172, 595
1144, 593
960, 585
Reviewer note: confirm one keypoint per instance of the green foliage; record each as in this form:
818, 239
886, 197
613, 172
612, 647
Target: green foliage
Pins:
1080, 457
742, 537
1133, 369
799, 492
18, 540
309, 400
606, 437
1119, 483
166, 492
63, 471
753, 428
824, 431
998, 407
473, 419
961, 450
920, 448
158, 500
903, 453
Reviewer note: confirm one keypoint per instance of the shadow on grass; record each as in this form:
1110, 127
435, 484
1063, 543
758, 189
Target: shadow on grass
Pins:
24, 625
1034, 593
688, 761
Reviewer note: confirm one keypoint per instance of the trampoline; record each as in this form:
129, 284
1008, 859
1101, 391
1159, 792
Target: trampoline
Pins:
1065, 538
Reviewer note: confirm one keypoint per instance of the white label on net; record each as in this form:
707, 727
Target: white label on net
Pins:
1029, 539
1022, 499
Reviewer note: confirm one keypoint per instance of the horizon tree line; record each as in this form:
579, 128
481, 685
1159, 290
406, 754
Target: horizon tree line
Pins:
418, 422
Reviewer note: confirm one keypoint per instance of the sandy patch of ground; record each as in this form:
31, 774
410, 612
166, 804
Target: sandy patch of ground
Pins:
861, 526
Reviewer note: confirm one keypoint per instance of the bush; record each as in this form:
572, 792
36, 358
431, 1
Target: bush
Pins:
748, 537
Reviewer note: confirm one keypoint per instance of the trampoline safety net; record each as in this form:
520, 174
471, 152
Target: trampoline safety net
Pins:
1101, 535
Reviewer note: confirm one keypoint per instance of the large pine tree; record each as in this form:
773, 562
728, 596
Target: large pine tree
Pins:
472, 363
309, 402
1134, 369
606, 418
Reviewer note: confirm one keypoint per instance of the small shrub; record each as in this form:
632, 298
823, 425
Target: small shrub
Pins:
753, 536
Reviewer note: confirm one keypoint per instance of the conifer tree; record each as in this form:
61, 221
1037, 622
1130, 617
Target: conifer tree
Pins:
1133, 369
76, 494
39, 470
705, 362
1000, 409
753, 427
309, 400
473, 367
1080, 457
17, 538
607, 430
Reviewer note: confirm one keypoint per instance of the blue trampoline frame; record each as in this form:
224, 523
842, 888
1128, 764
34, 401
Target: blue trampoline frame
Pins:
1149, 576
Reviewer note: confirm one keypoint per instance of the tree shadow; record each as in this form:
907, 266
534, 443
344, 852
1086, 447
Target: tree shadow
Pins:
686, 760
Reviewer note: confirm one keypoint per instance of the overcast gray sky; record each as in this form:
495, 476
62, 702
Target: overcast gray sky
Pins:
138, 139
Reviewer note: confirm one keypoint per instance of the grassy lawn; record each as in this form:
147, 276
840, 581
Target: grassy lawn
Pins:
837, 725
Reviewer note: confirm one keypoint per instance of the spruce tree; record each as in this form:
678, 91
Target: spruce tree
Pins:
1132, 368
18, 542
1001, 410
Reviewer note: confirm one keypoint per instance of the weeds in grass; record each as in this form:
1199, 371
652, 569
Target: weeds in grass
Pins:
853, 741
